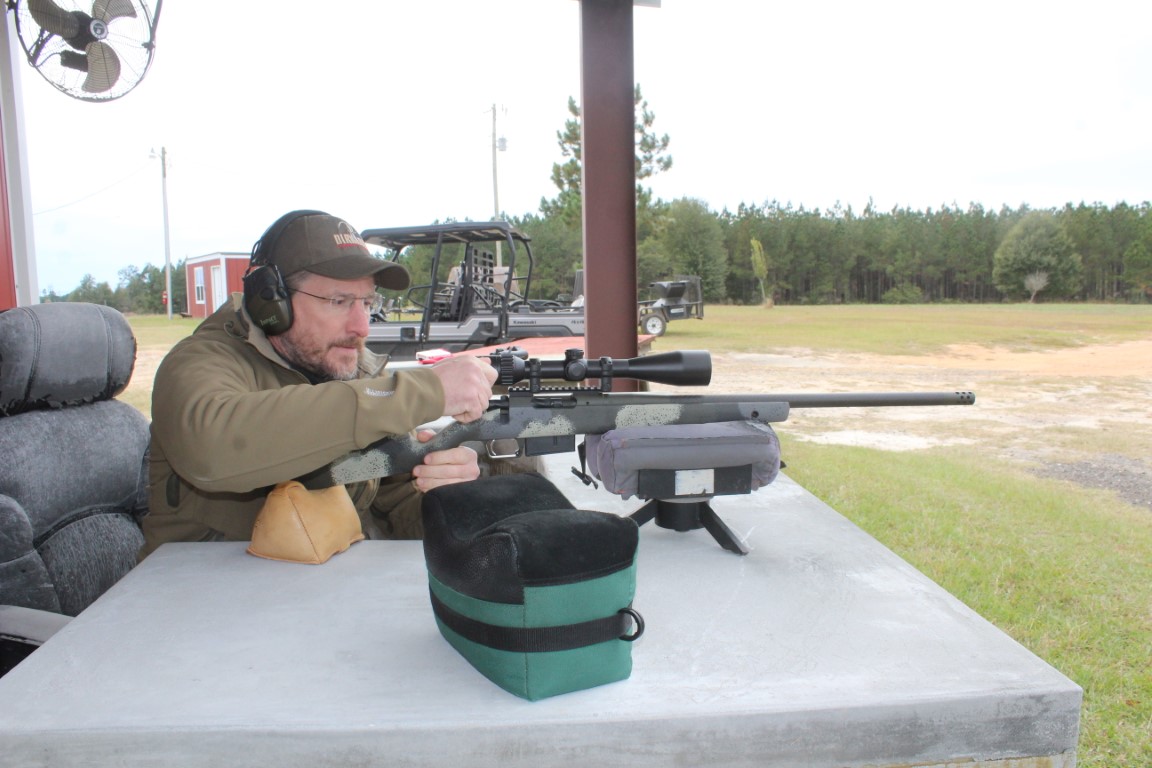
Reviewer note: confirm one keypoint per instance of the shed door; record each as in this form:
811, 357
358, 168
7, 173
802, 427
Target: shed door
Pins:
219, 288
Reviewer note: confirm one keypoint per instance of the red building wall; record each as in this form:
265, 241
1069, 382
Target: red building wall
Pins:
198, 271
7, 258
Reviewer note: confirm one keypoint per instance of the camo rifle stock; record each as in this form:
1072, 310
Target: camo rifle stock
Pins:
547, 419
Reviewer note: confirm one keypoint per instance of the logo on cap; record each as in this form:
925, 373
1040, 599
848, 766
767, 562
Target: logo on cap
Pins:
346, 237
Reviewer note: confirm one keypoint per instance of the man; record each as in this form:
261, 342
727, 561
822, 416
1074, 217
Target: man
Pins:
278, 382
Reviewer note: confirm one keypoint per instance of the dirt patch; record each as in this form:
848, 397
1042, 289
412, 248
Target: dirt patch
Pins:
1082, 414
1132, 358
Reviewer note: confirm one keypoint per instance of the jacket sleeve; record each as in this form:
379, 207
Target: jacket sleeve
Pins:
225, 425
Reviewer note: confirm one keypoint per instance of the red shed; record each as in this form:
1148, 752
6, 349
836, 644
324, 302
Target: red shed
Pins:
212, 278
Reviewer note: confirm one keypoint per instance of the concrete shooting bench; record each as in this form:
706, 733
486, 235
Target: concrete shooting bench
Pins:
819, 647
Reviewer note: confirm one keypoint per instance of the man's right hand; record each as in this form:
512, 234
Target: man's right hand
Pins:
467, 381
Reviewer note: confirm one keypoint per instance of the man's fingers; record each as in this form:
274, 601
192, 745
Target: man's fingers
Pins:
467, 383
455, 465
474, 412
461, 455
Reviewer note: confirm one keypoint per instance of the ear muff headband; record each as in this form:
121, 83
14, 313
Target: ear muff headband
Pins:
265, 296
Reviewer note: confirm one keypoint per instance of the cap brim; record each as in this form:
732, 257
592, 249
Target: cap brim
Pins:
387, 274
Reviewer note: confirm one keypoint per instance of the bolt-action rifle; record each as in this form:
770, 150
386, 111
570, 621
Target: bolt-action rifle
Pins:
546, 419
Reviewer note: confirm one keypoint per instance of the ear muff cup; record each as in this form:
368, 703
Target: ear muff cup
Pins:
267, 301
265, 294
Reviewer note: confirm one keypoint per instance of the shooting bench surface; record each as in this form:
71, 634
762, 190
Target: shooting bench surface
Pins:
820, 647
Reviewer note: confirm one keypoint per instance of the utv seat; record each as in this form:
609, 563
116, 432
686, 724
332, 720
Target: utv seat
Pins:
73, 466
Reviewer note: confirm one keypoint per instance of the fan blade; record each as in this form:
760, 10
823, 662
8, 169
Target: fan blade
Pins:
54, 19
103, 68
107, 10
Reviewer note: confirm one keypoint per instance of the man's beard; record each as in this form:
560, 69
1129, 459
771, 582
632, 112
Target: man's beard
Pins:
309, 356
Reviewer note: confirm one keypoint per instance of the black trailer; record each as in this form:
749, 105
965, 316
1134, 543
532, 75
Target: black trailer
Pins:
664, 301
677, 299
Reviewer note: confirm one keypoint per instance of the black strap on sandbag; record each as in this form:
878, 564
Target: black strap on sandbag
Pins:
564, 637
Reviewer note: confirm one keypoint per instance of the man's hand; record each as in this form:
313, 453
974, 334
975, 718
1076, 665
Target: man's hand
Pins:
455, 465
467, 382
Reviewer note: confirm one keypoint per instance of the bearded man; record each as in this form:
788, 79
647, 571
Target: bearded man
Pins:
278, 382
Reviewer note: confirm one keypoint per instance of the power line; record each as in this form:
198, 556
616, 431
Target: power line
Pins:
92, 194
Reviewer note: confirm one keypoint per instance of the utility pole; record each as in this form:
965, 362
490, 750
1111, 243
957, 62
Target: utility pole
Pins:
163, 157
498, 144
495, 182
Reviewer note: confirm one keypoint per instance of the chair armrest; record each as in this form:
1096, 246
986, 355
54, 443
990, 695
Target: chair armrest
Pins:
29, 625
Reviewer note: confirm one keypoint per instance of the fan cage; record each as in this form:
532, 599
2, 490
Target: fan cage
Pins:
132, 38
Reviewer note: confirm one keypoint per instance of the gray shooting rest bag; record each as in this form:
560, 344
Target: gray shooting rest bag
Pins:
688, 460
680, 468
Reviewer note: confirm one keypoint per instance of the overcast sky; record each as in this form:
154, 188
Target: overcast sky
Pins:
380, 112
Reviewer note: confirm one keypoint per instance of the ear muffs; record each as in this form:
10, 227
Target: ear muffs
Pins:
267, 301
265, 296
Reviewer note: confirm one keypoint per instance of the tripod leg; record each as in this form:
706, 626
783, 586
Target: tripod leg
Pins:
720, 531
645, 513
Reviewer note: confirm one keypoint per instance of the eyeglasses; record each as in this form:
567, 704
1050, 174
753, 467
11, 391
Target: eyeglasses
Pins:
343, 302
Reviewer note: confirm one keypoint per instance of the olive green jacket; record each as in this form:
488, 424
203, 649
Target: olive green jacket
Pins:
231, 418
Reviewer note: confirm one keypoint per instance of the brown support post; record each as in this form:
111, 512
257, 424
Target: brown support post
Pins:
609, 179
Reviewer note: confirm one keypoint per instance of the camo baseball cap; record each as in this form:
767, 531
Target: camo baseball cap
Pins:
331, 247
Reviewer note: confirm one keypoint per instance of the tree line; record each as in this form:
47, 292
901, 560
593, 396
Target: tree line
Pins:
780, 253
139, 290
1078, 252
1085, 252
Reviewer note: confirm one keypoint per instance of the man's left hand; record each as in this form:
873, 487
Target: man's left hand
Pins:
455, 465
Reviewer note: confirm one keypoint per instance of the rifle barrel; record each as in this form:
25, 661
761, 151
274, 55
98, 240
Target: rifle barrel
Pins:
868, 399
523, 415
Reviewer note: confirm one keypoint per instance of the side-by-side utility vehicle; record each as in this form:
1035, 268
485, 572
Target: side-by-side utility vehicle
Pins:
484, 299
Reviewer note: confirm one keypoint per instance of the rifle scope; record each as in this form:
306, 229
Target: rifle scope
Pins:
684, 368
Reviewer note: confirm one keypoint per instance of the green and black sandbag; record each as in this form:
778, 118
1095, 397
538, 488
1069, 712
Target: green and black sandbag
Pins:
535, 594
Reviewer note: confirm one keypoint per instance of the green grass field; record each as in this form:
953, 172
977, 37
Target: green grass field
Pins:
157, 330
1065, 571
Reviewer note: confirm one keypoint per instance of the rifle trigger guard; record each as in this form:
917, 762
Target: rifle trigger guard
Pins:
490, 448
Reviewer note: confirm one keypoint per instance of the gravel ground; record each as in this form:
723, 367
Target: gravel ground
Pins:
1129, 478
